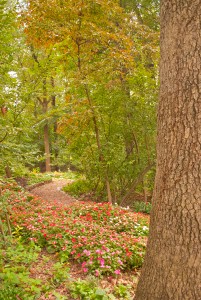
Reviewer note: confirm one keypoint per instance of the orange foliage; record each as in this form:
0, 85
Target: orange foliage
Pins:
89, 29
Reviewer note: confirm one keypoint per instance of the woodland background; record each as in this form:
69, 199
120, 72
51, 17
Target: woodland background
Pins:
79, 89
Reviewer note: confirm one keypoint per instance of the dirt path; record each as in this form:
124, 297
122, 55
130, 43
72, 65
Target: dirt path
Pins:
53, 191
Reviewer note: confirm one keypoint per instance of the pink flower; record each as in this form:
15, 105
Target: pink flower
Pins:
85, 270
117, 272
102, 262
87, 252
84, 264
97, 273
120, 262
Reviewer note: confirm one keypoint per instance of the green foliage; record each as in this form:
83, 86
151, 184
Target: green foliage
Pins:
15, 125
20, 254
101, 101
7, 24
140, 206
11, 292
60, 273
14, 273
87, 290
146, 11
78, 187
64, 175
59, 296
105, 98
34, 178
122, 292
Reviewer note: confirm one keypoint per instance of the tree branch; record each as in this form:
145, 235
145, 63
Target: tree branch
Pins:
4, 137
137, 181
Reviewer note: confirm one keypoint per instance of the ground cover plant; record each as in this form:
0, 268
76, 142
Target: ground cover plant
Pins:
79, 187
102, 239
35, 177
141, 206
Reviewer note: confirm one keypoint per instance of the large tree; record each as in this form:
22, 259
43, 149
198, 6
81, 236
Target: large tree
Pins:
172, 265
110, 62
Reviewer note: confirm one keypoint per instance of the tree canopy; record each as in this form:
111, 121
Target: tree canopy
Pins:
86, 80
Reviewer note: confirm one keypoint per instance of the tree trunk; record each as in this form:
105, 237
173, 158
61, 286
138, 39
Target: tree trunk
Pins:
8, 172
109, 194
45, 103
97, 134
56, 147
172, 269
136, 182
47, 149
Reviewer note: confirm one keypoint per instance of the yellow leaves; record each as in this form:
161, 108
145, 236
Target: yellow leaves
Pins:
88, 23
78, 118
68, 98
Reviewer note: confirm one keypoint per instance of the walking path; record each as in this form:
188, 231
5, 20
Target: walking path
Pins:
53, 191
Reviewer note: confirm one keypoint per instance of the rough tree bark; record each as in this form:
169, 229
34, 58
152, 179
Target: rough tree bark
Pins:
172, 267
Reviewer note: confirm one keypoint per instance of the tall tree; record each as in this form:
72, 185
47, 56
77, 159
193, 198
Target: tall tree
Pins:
38, 77
110, 89
172, 265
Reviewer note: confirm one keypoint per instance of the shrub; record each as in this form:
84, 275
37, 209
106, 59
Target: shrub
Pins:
78, 187
10, 293
34, 178
140, 206
88, 290
14, 272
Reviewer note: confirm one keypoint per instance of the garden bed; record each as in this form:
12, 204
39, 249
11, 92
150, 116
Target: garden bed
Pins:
83, 251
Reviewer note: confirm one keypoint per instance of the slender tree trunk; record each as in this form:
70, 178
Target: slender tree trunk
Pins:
56, 148
144, 189
2, 230
136, 182
8, 172
44, 103
172, 267
109, 194
130, 138
46, 130
97, 134
94, 119
47, 148
7, 168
